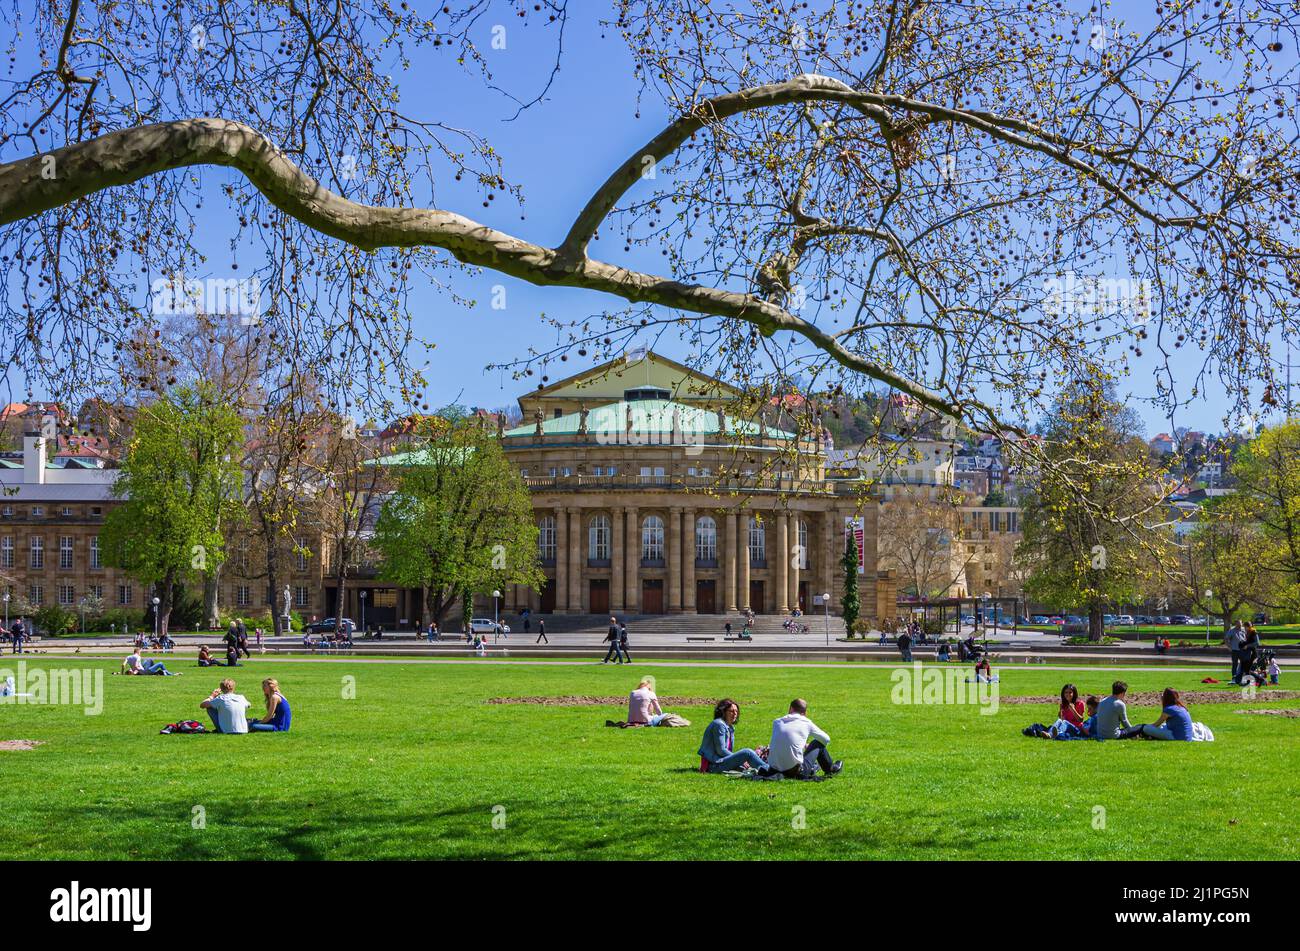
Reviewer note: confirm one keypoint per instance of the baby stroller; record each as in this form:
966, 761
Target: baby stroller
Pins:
1254, 671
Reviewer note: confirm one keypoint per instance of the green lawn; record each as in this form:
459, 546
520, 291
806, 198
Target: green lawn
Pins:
415, 764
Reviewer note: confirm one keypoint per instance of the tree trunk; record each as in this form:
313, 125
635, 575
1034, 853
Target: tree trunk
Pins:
211, 598
273, 583
164, 612
1096, 626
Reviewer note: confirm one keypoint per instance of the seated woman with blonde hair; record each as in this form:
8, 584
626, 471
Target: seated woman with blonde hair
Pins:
278, 714
643, 704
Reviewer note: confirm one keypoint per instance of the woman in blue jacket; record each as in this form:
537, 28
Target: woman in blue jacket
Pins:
716, 754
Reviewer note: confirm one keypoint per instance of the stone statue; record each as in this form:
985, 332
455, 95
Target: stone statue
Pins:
582, 419
286, 600
538, 417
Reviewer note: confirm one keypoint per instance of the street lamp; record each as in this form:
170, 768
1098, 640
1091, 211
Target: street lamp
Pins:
155, 617
362, 596
1208, 594
826, 607
496, 623
6, 601
986, 598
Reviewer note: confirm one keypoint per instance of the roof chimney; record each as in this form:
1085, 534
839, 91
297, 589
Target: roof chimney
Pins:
34, 458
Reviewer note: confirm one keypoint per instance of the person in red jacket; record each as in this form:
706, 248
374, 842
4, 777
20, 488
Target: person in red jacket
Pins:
1071, 711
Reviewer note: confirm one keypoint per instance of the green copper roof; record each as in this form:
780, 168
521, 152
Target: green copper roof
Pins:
424, 457
648, 416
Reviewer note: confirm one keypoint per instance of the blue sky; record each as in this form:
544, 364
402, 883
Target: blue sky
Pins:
558, 152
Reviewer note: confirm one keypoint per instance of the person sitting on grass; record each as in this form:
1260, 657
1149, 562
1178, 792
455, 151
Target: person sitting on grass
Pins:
643, 705
799, 745
278, 713
1175, 723
944, 653
227, 709
134, 665
205, 657
1069, 718
716, 754
1112, 715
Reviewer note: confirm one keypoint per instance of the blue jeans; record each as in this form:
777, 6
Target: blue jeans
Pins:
736, 759
261, 728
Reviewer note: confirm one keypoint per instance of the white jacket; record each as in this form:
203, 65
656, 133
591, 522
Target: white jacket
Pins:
790, 734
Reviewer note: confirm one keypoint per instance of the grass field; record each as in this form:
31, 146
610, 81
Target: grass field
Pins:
413, 766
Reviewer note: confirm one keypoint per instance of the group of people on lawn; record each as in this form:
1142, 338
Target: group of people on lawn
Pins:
1107, 718
796, 751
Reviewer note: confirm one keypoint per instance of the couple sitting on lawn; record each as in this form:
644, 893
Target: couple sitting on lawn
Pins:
797, 748
228, 709
1107, 719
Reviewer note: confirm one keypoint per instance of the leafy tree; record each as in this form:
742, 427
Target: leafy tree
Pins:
1268, 490
995, 499
175, 484
850, 606
460, 520
1087, 541
921, 537
1228, 555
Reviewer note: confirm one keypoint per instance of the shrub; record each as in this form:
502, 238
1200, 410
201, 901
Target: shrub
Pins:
54, 620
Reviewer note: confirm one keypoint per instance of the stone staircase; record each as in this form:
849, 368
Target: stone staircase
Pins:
682, 625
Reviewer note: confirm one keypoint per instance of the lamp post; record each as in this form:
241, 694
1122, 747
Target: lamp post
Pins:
496, 616
362, 595
826, 608
6, 601
1208, 594
986, 598
155, 617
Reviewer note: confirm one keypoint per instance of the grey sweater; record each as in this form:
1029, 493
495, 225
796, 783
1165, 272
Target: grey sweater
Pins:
1111, 715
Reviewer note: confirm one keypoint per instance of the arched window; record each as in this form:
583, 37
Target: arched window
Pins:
598, 538
757, 544
652, 538
706, 539
546, 538
802, 535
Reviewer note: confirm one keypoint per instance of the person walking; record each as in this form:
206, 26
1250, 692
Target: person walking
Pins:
433, 631
612, 639
622, 642
527, 616
18, 633
541, 631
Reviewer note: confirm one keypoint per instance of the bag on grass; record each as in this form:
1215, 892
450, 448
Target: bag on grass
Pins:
1202, 733
672, 719
184, 726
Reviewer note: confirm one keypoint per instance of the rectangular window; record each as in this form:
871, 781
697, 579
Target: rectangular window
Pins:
38, 511
36, 594
65, 552
67, 595
243, 597
8, 511
7, 552
66, 511
97, 592
36, 557
124, 594
96, 558
301, 596
300, 554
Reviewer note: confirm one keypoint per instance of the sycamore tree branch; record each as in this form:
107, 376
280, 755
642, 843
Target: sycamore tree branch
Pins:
41, 183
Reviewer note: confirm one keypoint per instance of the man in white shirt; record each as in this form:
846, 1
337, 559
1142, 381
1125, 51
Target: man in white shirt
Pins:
798, 745
227, 709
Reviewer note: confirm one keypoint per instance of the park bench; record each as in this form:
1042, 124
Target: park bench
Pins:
689, 638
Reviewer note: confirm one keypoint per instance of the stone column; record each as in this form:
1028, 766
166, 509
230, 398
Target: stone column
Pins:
729, 569
783, 565
673, 560
576, 531
561, 562
688, 561
794, 561
742, 563
632, 581
616, 559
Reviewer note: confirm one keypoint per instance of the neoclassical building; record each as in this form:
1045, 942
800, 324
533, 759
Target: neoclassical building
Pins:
651, 497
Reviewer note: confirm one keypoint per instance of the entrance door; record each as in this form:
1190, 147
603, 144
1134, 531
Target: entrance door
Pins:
705, 600
757, 597
652, 596
598, 596
548, 597
803, 596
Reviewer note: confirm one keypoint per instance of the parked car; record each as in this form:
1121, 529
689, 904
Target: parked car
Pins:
1261, 618
1056, 620
968, 619
485, 625
1075, 619
1109, 619
1042, 619
326, 626
1161, 621
1181, 619
1125, 620
1141, 619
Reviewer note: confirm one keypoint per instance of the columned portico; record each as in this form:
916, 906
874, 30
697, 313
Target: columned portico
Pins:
561, 562
616, 559
743, 564
729, 572
632, 556
783, 563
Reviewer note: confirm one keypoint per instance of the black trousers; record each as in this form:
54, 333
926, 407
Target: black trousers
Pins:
542, 637
815, 749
